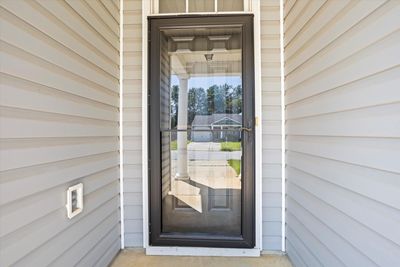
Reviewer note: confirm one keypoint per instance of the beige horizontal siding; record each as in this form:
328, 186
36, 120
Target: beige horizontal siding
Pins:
271, 126
342, 69
59, 104
271, 123
132, 113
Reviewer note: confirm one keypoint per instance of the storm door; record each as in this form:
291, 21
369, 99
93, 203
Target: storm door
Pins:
201, 131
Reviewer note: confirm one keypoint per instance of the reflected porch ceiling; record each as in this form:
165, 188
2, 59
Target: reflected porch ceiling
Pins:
189, 49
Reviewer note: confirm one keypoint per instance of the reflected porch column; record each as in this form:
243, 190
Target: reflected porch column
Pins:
182, 162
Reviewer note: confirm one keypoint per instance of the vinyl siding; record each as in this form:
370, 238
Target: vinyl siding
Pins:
342, 73
271, 126
132, 113
165, 123
59, 105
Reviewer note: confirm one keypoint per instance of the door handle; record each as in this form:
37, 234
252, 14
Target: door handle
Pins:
246, 129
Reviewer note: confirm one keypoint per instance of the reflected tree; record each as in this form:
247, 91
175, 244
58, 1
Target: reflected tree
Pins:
216, 99
197, 103
174, 105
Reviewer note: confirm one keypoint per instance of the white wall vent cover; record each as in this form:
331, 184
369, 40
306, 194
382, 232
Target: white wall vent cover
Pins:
74, 200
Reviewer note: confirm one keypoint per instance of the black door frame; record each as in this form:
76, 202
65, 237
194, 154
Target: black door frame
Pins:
156, 237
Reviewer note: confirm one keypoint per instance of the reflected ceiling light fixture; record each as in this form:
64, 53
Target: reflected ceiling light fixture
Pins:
208, 57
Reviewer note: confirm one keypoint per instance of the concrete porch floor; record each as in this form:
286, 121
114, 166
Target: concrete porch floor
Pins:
137, 258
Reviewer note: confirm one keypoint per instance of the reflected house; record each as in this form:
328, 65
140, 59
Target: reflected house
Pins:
220, 126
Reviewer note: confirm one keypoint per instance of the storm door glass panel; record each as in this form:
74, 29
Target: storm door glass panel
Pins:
201, 137
172, 6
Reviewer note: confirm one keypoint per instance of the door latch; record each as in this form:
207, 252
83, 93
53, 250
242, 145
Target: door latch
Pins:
246, 129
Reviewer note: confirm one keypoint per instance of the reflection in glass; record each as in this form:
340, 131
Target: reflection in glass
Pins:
201, 116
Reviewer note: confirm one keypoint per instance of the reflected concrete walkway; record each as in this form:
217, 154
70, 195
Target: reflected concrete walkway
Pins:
137, 258
216, 174
213, 174
204, 146
209, 155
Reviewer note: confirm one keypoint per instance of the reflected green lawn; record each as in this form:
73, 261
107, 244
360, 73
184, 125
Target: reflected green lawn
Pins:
174, 145
235, 164
231, 146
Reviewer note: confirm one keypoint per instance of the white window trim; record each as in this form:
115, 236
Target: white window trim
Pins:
254, 5
154, 8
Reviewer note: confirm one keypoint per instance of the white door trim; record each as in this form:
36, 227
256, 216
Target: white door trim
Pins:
121, 122
146, 10
152, 250
258, 113
283, 131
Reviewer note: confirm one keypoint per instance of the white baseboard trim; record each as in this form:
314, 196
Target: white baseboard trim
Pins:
273, 252
200, 251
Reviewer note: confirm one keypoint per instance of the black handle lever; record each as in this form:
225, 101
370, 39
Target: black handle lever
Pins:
246, 129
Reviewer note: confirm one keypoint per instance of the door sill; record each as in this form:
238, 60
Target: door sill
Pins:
201, 251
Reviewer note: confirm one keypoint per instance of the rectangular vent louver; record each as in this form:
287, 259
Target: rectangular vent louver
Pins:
74, 200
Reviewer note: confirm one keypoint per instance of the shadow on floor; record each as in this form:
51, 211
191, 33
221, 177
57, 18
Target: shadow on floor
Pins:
137, 258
